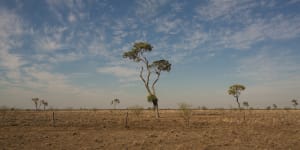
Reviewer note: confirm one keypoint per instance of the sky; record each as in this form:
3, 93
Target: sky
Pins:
69, 52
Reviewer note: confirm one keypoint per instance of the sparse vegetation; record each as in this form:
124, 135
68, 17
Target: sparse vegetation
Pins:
208, 128
115, 102
136, 110
235, 91
36, 102
274, 106
137, 54
44, 103
295, 103
204, 108
246, 104
186, 112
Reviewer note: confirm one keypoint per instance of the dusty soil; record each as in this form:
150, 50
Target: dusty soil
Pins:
105, 129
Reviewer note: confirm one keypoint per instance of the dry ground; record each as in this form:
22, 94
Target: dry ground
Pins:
105, 129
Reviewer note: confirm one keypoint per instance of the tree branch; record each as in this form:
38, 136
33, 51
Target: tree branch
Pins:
145, 83
155, 81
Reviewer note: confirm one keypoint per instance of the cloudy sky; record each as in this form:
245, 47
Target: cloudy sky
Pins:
69, 52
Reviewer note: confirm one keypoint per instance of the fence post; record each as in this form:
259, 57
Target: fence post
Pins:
126, 120
53, 119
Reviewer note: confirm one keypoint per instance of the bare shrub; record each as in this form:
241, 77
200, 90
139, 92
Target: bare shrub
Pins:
246, 104
204, 108
136, 110
186, 112
274, 106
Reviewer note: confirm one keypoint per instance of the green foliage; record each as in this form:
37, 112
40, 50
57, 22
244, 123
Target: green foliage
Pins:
151, 98
161, 65
137, 51
236, 89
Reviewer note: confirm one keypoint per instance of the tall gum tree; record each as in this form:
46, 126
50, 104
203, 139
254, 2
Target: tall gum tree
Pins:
235, 91
148, 70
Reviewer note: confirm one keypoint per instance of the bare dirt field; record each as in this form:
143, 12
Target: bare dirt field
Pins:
105, 129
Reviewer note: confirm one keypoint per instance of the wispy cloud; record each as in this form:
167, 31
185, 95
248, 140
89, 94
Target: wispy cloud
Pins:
269, 65
124, 74
10, 29
72, 18
276, 28
149, 8
168, 24
49, 39
216, 9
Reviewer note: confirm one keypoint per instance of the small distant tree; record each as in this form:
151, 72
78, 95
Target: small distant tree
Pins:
268, 107
204, 108
149, 70
115, 102
274, 106
246, 104
44, 103
187, 112
36, 102
235, 91
295, 103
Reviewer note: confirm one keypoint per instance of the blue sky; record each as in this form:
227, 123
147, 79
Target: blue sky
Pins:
69, 52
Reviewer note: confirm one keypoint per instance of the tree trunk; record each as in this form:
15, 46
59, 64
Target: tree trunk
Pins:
237, 100
155, 107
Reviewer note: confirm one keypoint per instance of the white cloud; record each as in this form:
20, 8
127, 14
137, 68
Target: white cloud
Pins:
149, 8
49, 39
123, 73
66, 57
267, 66
276, 28
119, 31
74, 7
168, 24
99, 47
177, 7
54, 87
222, 8
72, 18
10, 29
48, 44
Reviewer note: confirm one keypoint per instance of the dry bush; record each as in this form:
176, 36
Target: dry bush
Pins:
136, 110
186, 112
